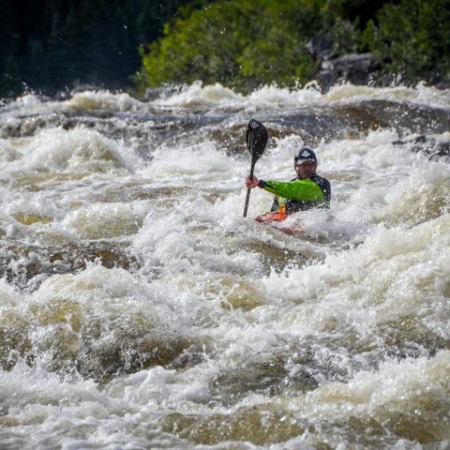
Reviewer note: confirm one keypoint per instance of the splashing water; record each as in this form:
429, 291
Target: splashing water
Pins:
139, 309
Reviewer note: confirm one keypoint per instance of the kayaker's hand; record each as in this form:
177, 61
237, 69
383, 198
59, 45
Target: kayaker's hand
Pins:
251, 182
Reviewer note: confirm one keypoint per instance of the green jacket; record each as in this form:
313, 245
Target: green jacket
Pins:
299, 195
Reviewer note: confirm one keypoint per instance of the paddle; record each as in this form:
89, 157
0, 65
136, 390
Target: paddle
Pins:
256, 138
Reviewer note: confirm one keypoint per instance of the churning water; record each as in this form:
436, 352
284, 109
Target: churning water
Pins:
141, 310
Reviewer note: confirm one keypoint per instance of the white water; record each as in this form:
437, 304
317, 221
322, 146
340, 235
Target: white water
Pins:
217, 331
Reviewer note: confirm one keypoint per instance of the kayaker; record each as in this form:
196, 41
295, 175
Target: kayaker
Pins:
307, 191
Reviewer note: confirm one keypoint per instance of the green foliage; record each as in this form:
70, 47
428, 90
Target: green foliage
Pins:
412, 39
202, 46
244, 44
276, 48
239, 43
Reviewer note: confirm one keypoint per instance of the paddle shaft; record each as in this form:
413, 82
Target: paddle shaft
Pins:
247, 198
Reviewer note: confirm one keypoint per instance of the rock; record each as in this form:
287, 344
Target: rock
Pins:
152, 94
427, 148
353, 68
319, 48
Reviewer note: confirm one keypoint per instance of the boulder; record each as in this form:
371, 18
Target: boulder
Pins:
353, 68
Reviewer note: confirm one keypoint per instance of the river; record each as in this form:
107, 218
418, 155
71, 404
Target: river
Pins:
141, 310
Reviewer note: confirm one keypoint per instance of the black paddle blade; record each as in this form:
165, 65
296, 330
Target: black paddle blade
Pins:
257, 137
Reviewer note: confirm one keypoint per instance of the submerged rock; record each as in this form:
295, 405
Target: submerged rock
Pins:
28, 267
113, 350
428, 148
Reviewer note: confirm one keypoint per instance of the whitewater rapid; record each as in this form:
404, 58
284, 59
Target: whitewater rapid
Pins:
141, 310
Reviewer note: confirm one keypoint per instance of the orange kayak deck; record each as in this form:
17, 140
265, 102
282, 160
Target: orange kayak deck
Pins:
276, 216
274, 220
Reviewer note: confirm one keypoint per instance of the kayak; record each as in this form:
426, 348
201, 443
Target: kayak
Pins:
276, 216
275, 219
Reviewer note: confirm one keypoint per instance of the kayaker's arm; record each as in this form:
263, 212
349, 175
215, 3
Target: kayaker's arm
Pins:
293, 190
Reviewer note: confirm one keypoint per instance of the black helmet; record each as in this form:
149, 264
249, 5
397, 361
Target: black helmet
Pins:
305, 154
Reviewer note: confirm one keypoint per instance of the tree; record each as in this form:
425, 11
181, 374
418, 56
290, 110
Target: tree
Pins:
243, 44
57, 51
10, 79
36, 63
412, 39
77, 41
